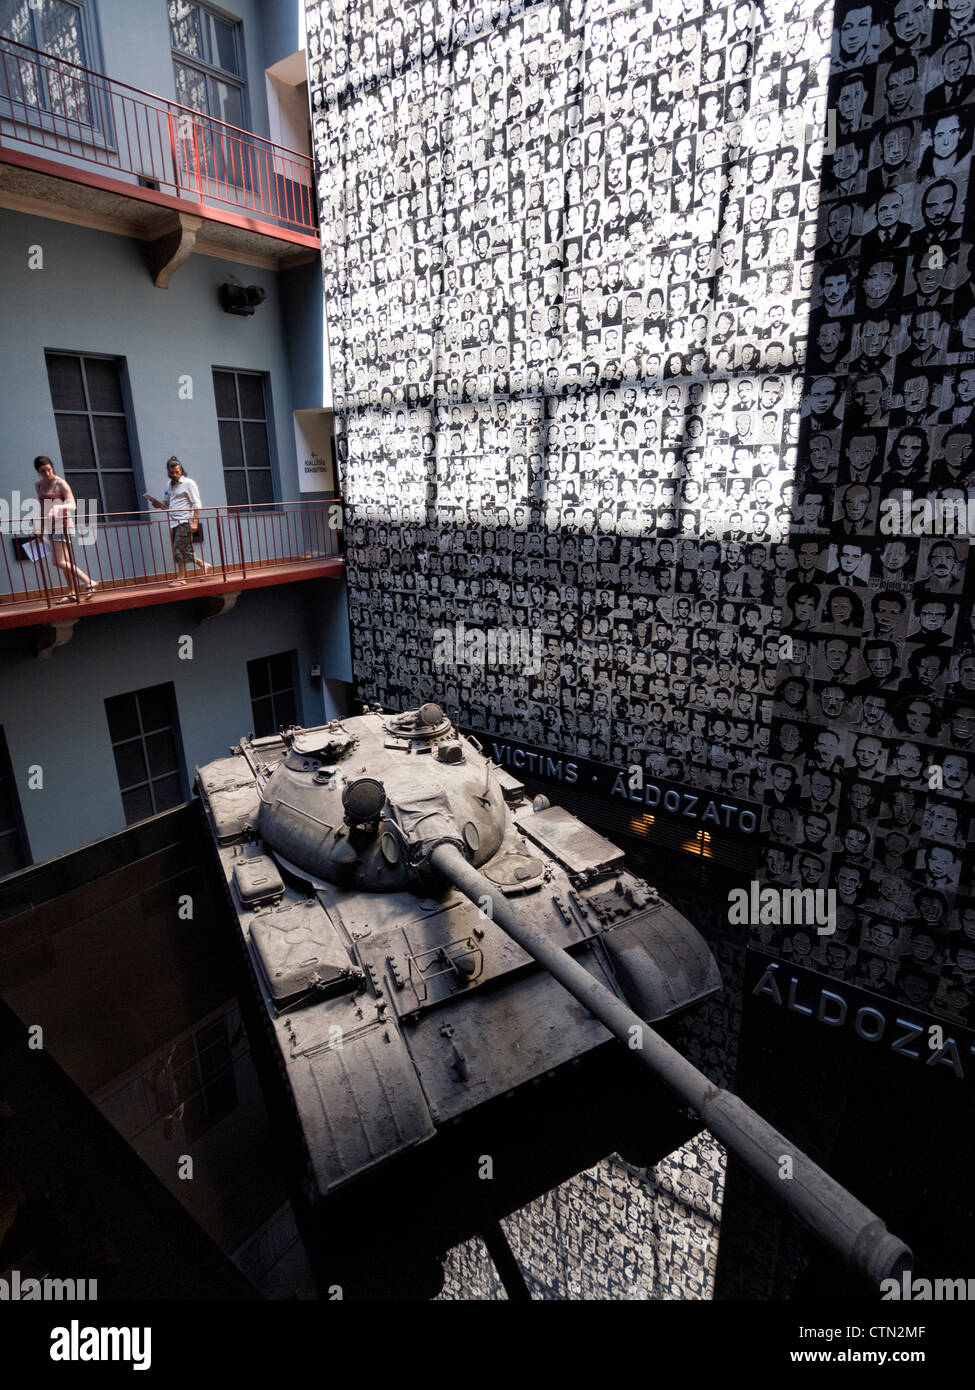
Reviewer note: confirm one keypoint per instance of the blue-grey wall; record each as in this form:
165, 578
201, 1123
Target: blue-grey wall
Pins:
53, 711
282, 35
330, 633
95, 294
134, 44
301, 311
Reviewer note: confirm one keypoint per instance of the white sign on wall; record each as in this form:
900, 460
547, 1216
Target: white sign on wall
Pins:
315, 449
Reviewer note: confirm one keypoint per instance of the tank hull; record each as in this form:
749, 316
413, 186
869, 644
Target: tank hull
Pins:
431, 1076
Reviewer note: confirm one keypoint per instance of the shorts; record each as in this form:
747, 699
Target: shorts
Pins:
182, 538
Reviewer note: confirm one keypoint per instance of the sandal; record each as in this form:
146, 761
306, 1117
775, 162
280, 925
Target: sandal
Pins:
68, 598
90, 591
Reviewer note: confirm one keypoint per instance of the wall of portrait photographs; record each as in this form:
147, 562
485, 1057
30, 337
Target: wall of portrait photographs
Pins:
575, 256
568, 255
873, 741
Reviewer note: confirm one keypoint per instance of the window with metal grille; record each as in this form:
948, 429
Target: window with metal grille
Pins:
14, 850
144, 730
274, 698
245, 446
56, 28
93, 429
208, 59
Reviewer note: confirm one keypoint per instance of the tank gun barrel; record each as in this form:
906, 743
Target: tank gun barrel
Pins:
849, 1228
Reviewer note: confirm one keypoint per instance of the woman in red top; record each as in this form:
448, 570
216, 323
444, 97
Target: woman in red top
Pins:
57, 508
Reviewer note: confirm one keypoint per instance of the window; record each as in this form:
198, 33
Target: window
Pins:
244, 444
192, 1083
56, 28
208, 59
145, 739
14, 851
93, 430
201, 1075
274, 701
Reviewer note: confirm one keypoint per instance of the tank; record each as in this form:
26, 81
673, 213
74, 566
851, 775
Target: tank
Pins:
445, 968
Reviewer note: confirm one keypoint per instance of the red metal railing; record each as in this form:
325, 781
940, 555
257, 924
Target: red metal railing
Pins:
125, 551
89, 119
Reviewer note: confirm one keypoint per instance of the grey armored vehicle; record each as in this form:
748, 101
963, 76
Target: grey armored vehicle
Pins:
396, 895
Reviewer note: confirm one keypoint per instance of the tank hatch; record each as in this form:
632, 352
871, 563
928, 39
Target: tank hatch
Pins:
328, 745
514, 871
427, 722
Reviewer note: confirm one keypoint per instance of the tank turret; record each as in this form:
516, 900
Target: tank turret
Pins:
326, 810
442, 961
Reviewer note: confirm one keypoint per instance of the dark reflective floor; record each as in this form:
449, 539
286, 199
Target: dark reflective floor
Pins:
124, 956
131, 978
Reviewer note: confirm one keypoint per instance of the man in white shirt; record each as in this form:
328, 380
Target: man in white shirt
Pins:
182, 501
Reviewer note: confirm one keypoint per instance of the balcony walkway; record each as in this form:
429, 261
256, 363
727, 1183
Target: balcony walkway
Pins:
82, 147
129, 556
